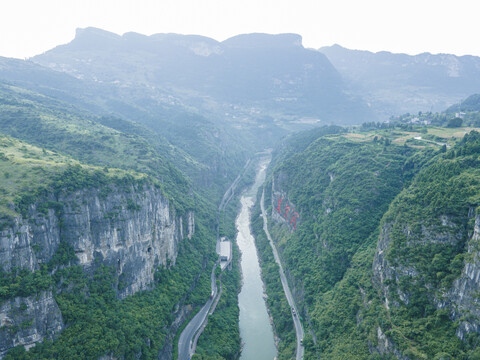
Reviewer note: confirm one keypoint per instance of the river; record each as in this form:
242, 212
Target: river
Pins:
255, 328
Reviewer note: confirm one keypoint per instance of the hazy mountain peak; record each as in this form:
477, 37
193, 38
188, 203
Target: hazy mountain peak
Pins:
134, 36
93, 31
398, 83
199, 45
274, 72
261, 40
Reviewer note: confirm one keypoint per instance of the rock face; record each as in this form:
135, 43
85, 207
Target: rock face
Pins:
133, 229
283, 210
463, 297
25, 321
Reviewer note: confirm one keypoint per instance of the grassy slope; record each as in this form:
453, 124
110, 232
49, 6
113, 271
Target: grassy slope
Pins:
25, 167
55, 126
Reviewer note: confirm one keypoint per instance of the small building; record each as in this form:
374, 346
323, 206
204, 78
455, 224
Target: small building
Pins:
225, 250
225, 253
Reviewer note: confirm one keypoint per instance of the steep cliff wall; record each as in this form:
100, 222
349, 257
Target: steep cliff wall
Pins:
463, 297
426, 265
283, 210
387, 250
133, 228
25, 321
327, 202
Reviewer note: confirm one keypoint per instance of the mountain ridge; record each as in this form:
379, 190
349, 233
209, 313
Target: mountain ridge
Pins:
273, 73
399, 83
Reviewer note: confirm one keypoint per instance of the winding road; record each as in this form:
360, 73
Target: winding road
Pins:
187, 340
286, 288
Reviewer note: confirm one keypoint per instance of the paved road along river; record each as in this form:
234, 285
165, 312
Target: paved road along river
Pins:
286, 288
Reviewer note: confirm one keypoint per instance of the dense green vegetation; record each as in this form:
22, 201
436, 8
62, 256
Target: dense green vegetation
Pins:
99, 323
66, 140
221, 337
345, 189
58, 127
470, 104
437, 211
21, 282
276, 300
341, 189
29, 172
352, 190
348, 187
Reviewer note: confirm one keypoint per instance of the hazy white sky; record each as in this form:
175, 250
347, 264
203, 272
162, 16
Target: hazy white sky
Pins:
30, 27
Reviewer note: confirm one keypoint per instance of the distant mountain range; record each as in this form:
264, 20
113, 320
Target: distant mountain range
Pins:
248, 82
243, 76
400, 83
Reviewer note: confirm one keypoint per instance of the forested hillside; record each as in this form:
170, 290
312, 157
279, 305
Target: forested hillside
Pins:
382, 246
202, 146
122, 160
105, 243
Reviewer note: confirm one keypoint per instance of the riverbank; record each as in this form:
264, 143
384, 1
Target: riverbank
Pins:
255, 326
277, 303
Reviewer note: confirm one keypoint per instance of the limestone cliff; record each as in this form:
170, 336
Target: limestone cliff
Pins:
463, 296
459, 299
133, 228
25, 321
283, 210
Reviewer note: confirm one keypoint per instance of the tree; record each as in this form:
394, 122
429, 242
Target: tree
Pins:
455, 122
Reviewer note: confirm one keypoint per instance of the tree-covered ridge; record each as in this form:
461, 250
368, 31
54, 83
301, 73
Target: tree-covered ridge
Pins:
97, 322
359, 193
58, 127
426, 230
200, 144
472, 103
341, 189
27, 171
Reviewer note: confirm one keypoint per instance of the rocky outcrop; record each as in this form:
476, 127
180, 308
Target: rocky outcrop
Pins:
461, 299
134, 229
25, 321
182, 314
463, 296
283, 210
444, 232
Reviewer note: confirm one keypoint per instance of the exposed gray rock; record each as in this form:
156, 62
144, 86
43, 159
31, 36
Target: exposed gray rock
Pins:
133, 229
463, 296
25, 321
461, 299
385, 346
445, 232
